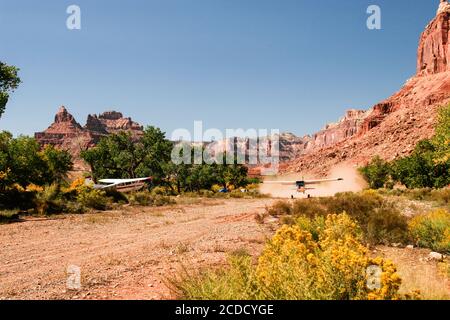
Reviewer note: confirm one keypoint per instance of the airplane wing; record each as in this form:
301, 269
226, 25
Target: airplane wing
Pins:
285, 183
322, 181
307, 182
120, 181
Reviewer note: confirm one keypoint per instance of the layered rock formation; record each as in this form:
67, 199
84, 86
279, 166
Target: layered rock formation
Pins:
393, 127
66, 133
434, 48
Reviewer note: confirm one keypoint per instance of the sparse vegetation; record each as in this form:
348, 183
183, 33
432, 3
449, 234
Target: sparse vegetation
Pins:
294, 265
379, 219
432, 230
8, 216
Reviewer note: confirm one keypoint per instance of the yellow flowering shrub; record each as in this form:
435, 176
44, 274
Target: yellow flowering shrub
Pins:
34, 188
297, 266
294, 266
431, 230
389, 283
76, 185
286, 267
3, 175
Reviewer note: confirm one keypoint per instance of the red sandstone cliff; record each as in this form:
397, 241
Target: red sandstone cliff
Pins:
393, 127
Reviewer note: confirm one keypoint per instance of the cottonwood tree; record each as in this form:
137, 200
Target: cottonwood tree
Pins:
122, 156
9, 81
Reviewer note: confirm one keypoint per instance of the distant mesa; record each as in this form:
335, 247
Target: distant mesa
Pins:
66, 133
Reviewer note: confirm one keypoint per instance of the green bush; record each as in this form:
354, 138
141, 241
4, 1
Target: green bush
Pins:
431, 230
379, 219
12, 198
8, 216
145, 198
116, 196
376, 173
142, 198
49, 200
94, 199
386, 226
159, 201
441, 196
280, 208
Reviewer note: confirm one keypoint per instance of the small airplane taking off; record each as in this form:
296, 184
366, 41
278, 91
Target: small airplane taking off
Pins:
301, 185
122, 185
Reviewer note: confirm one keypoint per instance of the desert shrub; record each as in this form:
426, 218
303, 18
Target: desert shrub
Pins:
386, 226
360, 206
142, 198
49, 200
379, 219
162, 191
256, 194
314, 226
237, 282
206, 193
116, 196
253, 186
309, 207
159, 201
12, 198
92, 198
280, 208
295, 266
238, 194
421, 194
74, 207
431, 230
8, 215
441, 196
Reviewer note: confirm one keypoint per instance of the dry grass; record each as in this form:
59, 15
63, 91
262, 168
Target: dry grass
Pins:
419, 274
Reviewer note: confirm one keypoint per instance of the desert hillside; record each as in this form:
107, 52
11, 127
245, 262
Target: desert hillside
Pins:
393, 127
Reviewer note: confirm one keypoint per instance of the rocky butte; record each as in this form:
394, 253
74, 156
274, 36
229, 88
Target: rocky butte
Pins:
66, 133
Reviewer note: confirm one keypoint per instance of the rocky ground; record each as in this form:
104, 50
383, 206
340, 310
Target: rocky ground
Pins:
132, 253
124, 254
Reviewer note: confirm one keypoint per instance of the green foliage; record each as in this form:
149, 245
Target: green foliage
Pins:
440, 196
7, 216
23, 163
427, 167
94, 199
421, 169
9, 81
121, 156
376, 173
432, 230
58, 162
379, 219
442, 137
49, 200
145, 198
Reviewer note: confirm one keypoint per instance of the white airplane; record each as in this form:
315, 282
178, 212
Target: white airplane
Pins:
301, 185
122, 185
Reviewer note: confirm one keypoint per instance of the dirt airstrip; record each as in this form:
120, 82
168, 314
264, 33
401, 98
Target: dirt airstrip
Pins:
124, 254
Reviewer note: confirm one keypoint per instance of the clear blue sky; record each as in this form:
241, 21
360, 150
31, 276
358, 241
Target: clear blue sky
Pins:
292, 65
